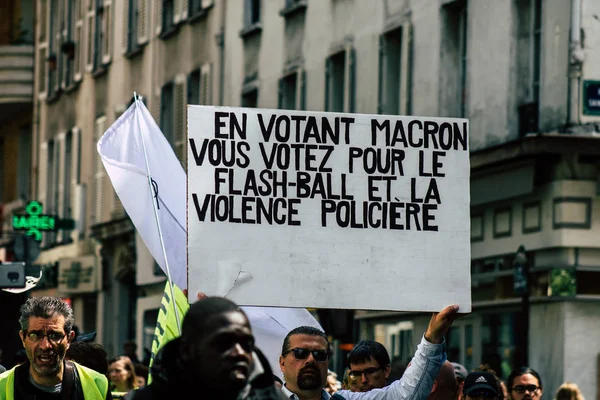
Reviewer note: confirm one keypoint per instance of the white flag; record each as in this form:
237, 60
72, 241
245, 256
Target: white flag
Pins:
122, 153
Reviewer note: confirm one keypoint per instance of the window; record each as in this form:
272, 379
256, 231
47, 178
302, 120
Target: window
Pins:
166, 112
251, 12
292, 91
454, 60
529, 20
136, 25
250, 98
54, 39
42, 49
69, 57
198, 86
67, 177
99, 42
52, 182
168, 16
67, 47
340, 81
199, 7
394, 72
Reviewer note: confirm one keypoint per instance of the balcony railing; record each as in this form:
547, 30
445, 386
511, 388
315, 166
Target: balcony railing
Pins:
16, 74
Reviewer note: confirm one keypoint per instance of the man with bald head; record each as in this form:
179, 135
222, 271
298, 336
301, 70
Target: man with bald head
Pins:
444, 386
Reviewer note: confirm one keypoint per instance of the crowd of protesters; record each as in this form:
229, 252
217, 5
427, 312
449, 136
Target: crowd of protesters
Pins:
215, 357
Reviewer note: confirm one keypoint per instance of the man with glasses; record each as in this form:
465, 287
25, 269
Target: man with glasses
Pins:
368, 366
305, 356
524, 384
480, 385
46, 333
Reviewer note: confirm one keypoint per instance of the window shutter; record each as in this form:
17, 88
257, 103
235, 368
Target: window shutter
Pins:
159, 16
142, 21
75, 161
177, 5
126, 26
42, 49
79, 42
185, 6
327, 83
90, 27
280, 89
179, 115
205, 84
301, 85
351, 71
156, 107
406, 69
57, 42
42, 78
381, 77
65, 35
60, 176
42, 174
207, 3
100, 175
107, 30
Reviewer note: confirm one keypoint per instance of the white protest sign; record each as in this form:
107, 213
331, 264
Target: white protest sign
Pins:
308, 209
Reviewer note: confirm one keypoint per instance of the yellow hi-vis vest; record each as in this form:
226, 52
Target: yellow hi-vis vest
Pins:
93, 384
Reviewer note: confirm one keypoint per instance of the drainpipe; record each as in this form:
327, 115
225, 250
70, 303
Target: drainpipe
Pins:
576, 62
221, 43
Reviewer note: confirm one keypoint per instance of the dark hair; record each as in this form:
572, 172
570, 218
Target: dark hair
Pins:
367, 349
46, 307
302, 330
197, 317
91, 355
487, 368
522, 371
141, 370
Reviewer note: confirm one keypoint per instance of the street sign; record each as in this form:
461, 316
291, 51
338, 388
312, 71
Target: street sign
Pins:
34, 222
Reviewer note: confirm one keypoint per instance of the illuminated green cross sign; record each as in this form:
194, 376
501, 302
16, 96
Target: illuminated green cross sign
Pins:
34, 222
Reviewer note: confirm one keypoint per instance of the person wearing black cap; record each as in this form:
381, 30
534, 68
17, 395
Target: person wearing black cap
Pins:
481, 385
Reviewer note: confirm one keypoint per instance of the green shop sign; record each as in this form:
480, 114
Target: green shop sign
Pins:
34, 222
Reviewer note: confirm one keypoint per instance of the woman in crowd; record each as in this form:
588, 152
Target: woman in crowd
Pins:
121, 375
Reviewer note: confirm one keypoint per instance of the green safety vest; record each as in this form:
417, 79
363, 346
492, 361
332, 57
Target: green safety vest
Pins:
93, 384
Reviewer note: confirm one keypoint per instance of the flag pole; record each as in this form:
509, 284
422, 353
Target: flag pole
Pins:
160, 235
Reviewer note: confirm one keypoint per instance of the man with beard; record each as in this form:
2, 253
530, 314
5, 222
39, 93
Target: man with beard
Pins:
46, 333
524, 384
214, 357
305, 355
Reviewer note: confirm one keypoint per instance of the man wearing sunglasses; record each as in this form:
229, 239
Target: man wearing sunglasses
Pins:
46, 333
480, 385
305, 356
369, 366
524, 384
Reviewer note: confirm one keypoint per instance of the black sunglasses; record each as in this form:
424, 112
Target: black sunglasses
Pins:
302, 354
522, 388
